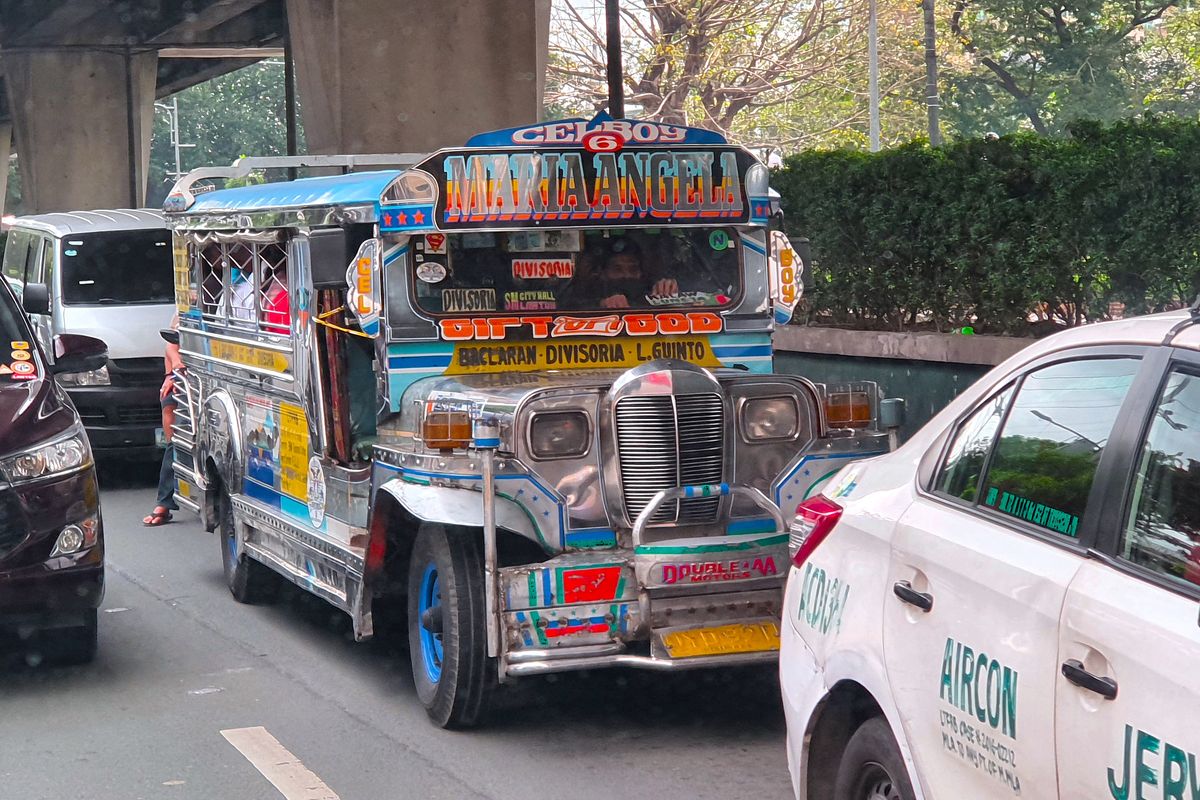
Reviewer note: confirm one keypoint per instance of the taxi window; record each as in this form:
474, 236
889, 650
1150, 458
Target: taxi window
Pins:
1162, 532
960, 475
1045, 459
567, 270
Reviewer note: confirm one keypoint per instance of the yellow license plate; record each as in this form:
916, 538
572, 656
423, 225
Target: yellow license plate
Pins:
185, 489
722, 640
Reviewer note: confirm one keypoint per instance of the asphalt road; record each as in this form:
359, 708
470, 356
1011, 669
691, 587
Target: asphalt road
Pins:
180, 662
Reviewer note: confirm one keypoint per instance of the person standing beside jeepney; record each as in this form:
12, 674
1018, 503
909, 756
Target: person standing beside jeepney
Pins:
161, 514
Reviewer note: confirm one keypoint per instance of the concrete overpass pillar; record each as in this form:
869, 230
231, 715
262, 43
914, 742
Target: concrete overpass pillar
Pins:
83, 121
379, 76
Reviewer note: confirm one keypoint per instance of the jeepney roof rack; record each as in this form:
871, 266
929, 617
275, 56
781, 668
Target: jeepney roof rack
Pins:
182, 196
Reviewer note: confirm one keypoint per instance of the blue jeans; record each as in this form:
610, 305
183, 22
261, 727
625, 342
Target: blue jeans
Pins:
166, 479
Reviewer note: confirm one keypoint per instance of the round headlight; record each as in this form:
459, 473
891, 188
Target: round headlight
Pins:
765, 418
559, 434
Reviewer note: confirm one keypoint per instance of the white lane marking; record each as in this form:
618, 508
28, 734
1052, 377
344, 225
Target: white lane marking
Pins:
285, 772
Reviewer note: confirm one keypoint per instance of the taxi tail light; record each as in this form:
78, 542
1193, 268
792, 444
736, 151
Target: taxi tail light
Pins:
446, 430
814, 521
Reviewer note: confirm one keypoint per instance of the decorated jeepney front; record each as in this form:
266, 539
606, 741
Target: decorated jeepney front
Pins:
580, 456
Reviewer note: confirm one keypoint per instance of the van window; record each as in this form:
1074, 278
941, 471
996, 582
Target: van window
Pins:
1045, 459
117, 268
1162, 532
16, 254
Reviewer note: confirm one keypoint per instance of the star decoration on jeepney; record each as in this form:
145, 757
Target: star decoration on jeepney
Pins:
760, 209
418, 217
401, 218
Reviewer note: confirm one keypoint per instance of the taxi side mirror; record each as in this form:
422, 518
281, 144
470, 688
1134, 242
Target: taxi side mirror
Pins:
327, 257
77, 353
36, 298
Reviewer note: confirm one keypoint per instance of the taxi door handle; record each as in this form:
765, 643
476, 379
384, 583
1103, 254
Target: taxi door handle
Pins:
908, 594
1072, 670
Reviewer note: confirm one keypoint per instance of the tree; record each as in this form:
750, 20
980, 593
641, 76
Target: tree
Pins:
1044, 63
241, 113
754, 69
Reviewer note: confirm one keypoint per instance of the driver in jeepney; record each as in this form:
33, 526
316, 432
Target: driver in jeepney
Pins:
623, 281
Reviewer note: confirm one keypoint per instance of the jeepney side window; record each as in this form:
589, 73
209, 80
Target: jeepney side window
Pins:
210, 266
240, 260
274, 309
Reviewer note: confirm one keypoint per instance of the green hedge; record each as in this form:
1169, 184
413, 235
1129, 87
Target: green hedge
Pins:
988, 233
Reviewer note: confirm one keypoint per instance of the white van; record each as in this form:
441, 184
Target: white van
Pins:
105, 274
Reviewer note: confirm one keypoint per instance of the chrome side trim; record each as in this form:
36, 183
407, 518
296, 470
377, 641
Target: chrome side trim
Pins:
640, 662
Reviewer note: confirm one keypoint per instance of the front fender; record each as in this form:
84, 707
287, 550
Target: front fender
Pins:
219, 441
454, 506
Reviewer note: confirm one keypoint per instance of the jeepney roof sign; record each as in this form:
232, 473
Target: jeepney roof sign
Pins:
579, 132
566, 187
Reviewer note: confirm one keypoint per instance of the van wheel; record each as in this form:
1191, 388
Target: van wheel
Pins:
248, 580
70, 646
872, 767
447, 626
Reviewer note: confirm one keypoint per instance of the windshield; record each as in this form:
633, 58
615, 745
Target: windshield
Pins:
576, 270
12, 328
118, 267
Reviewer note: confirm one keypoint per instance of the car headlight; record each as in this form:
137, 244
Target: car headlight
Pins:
94, 377
766, 418
61, 455
559, 434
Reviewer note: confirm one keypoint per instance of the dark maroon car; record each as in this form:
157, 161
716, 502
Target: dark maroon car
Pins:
51, 538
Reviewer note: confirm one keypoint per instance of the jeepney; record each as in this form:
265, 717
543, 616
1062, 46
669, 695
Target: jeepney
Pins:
519, 391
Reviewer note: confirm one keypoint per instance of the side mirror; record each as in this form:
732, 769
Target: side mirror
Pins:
36, 298
76, 353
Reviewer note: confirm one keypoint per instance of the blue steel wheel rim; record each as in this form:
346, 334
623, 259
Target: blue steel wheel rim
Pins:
231, 544
431, 643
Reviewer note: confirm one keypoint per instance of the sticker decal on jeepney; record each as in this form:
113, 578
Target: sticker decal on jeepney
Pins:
554, 327
316, 492
435, 244
542, 268
719, 571
591, 352
459, 300
293, 451
431, 272
536, 300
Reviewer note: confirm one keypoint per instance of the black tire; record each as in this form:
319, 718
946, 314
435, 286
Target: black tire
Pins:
63, 647
453, 675
249, 581
872, 767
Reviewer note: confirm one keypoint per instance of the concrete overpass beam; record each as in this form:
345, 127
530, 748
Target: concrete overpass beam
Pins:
382, 76
83, 121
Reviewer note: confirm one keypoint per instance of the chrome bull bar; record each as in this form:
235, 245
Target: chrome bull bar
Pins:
706, 490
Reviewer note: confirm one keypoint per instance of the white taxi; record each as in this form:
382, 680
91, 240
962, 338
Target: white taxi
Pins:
1008, 606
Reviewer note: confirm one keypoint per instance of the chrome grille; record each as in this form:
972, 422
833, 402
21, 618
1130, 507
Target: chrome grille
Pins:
666, 441
702, 438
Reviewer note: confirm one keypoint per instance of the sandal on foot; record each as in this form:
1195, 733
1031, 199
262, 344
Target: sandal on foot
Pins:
157, 518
